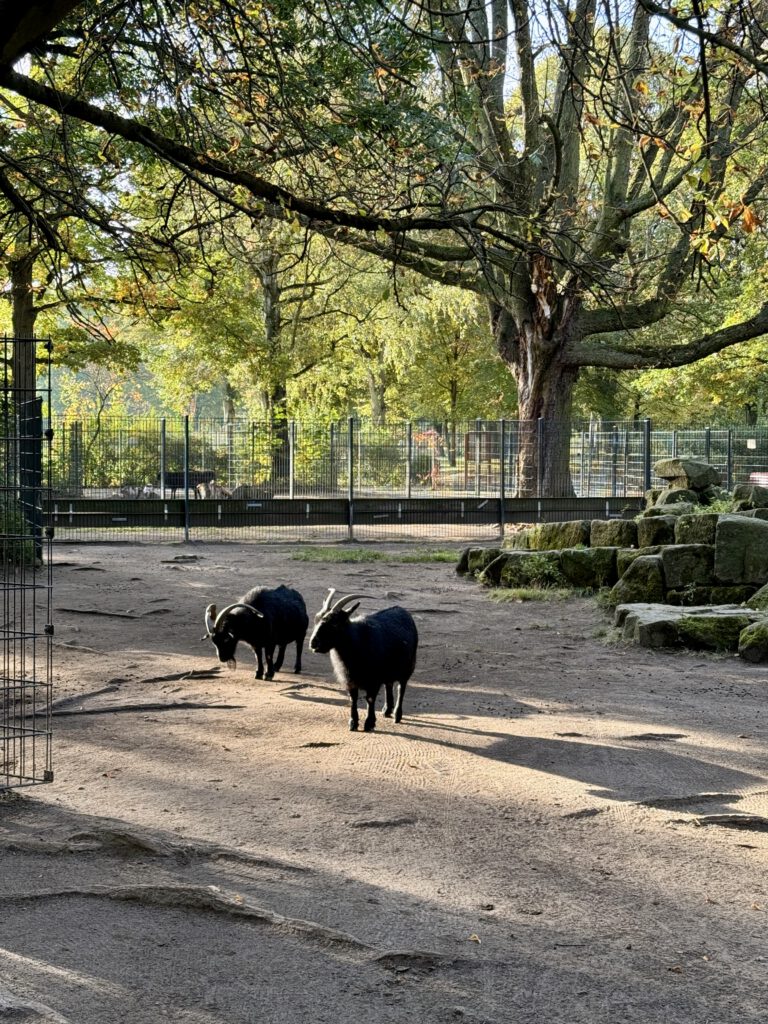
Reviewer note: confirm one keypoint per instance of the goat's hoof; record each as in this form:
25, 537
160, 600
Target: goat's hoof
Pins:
259, 675
398, 718
270, 675
369, 726
352, 726
387, 712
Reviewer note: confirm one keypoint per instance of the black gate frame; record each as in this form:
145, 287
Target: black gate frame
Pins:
26, 576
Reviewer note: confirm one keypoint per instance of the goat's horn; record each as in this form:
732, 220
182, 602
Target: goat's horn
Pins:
327, 601
210, 617
345, 600
237, 604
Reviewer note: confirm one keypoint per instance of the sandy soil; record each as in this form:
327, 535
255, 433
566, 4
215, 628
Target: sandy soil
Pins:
523, 847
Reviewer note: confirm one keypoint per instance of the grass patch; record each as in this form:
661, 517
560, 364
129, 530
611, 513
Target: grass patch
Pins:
345, 554
517, 595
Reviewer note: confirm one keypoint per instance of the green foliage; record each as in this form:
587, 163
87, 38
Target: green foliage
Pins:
517, 595
344, 554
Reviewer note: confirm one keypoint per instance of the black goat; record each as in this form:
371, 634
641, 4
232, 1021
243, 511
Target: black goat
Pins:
367, 653
264, 619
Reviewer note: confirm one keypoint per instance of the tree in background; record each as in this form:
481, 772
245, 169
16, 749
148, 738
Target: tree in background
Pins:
582, 168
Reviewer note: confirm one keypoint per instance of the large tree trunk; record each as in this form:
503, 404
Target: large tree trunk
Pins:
23, 322
545, 383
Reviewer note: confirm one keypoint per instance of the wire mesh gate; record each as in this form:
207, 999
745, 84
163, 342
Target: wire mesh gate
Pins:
25, 572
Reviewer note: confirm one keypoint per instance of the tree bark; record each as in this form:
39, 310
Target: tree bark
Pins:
24, 315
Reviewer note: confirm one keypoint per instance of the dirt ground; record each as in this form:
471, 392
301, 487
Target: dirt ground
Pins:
531, 844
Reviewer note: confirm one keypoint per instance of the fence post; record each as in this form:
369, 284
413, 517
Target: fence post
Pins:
291, 458
707, 444
332, 479
614, 459
502, 477
729, 462
186, 478
477, 456
351, 476
647, 454
408, 458
539, 456
163, 451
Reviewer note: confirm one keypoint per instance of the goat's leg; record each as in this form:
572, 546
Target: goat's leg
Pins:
353, 717
389, 701
299, 646
280, 656
259, 663
370, 719
268, 654
399, 705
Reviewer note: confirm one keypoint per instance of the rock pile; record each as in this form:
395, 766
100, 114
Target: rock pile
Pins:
676, 553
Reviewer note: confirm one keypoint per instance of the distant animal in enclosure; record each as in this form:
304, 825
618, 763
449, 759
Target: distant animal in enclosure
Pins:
212, 489
264, 619
367, 652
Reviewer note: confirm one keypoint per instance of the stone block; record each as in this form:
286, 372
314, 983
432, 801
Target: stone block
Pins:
531, 569
759, 600
756, 496
712, 632
479, 558
655, 530
753, 642
589, 568
625, 556
695, 474
613, 533
681, 508
688, 564
643, 581
551, 536
676, 495
696, 529
741, 550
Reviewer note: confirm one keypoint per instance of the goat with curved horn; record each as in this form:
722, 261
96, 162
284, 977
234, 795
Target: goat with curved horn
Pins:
264, 619
367, 652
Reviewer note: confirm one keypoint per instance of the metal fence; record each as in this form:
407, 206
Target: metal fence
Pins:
204, 479
26, 631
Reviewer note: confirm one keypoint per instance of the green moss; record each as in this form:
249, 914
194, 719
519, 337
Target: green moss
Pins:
712, 632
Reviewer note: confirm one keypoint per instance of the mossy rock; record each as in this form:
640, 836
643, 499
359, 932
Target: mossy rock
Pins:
490, 576
479, 558
521, 540
731, 595
712, 632
689, 597
689, 472
741, 550
613, 533
651, 496
626, 556
531, 569
688, 564
754, 495
463, 565
753, 642
682, 508
696, 529
759, 600
655, 530
751, 513
552, 536
676, 496
589, 568
643, 582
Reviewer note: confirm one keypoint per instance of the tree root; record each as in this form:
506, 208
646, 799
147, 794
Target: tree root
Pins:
21, 1012
109, 838
210, 899
179, 705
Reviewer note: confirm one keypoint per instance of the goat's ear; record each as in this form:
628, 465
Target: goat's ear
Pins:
351, 611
